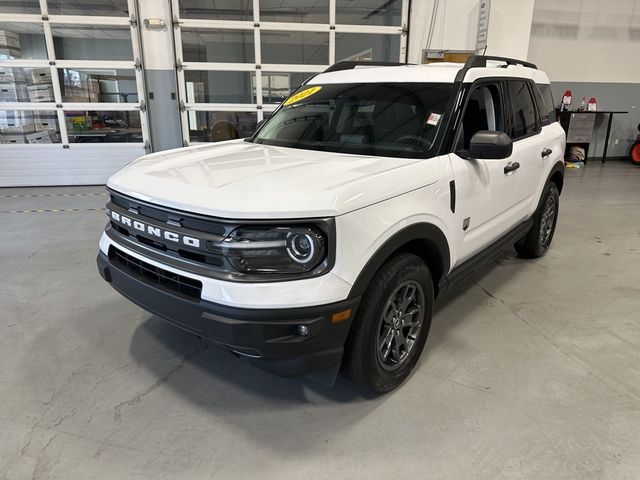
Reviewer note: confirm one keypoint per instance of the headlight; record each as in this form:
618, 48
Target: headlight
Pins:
274, 249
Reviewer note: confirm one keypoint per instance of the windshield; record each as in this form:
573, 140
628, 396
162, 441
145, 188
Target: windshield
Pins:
394, 119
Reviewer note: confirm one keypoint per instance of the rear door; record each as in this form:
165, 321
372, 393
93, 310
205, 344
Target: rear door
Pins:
525, 130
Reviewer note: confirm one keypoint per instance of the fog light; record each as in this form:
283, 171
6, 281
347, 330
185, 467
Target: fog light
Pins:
303, 330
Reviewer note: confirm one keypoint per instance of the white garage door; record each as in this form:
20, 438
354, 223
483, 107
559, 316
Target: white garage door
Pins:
71, 91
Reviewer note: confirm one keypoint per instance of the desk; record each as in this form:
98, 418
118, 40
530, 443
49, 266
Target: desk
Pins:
565, 121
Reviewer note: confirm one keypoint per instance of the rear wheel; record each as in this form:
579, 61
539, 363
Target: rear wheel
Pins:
391, 325
538, 240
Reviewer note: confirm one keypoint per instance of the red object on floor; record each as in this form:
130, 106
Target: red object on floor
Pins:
635, 153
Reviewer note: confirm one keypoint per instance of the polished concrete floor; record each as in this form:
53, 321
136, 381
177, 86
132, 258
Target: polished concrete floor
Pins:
532, 369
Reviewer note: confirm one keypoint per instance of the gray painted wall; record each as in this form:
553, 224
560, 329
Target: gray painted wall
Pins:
610, 96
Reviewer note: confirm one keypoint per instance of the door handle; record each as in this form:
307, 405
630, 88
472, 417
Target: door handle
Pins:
511, 167
546, 152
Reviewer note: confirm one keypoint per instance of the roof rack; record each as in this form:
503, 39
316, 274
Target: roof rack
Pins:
350, 65
480, 61
475, 61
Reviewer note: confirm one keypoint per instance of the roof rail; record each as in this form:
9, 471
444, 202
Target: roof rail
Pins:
475, 61
350, 65
480, 61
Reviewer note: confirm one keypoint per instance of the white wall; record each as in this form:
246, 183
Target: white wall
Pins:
587, 40
455, 26
457, 23
509, 28
592, 47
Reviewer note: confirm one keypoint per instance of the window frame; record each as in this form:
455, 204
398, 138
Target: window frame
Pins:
483, 82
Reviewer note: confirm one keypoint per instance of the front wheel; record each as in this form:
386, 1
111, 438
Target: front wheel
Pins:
538, 240
391, 325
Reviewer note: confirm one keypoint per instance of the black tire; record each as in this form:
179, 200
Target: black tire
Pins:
538, 240
363, 364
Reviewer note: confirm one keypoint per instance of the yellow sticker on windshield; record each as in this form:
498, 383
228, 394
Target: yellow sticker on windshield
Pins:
301, 95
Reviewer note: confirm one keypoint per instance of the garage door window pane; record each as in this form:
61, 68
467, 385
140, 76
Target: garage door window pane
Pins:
219, 126
22, 40
89, 85
305, 11
20, 6
26, 126
231, 46
218, 87
19, 84
217, 9
103, 126
295, 47
108, 8
369, 12
277, 86
364, 46
81, 42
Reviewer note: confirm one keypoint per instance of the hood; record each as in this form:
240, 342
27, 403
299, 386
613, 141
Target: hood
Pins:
238, 179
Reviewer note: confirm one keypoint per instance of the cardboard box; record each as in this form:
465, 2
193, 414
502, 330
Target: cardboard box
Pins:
11, 74
10, 117
9, 39
94, 90
12, 139
39, 137
45, 121
18, 129
13, 92
9, 53
40, 93
36, 76
76, 93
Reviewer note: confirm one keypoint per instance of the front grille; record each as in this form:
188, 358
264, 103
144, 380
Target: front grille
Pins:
192, 225
178, 284
187, 220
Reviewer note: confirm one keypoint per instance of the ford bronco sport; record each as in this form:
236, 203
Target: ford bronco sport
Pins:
321, 242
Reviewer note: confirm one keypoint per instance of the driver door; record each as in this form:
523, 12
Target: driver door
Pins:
486, 192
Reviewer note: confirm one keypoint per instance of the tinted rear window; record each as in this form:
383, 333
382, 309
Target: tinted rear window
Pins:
524, 118
547, 97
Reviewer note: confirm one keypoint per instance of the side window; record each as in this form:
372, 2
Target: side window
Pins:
547, 97
543, 112
524, 118
483, 112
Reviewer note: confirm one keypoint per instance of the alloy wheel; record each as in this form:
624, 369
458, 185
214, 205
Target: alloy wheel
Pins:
400, 324
547, 221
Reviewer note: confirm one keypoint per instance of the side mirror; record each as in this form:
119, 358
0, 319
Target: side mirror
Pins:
488, 144
260, 123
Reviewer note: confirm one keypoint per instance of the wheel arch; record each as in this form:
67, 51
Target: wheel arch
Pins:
424, 240
557, 176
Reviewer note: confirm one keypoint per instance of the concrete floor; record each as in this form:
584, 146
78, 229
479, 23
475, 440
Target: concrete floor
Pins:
531, 370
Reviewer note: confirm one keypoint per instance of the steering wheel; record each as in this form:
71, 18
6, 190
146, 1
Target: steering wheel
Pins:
409, 139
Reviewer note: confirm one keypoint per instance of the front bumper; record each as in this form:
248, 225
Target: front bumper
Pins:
267, 337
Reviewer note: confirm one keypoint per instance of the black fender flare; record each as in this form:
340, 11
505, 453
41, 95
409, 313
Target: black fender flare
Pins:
434, 249
558, 167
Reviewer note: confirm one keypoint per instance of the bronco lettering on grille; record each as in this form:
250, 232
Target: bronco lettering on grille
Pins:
155, 231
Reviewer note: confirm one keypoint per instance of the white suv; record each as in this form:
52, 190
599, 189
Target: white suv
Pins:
322, 241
